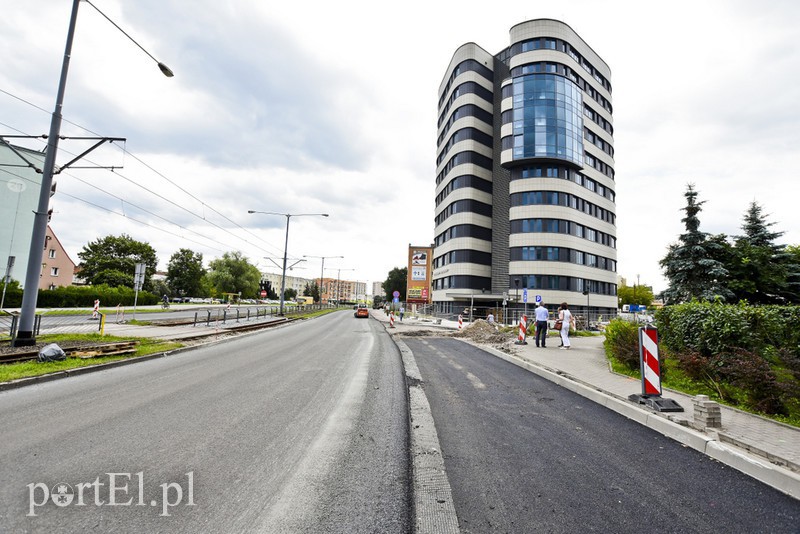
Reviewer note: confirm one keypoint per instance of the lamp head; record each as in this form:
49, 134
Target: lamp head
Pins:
166, 70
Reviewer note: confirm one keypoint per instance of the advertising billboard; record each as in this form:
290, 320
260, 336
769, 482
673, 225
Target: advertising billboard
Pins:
419, 274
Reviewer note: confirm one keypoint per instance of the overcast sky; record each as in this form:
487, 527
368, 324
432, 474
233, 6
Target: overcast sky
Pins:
330, 107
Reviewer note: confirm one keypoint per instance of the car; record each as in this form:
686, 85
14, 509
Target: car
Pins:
361, 311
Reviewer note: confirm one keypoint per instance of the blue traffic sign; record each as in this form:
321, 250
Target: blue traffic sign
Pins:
538, 299
525, 295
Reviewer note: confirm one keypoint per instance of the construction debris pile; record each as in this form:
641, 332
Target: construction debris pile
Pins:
481, 331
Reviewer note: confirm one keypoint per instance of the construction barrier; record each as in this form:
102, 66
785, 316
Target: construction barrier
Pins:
96, 308
460, 321
650, 367
391, 320
523, 330
650, 363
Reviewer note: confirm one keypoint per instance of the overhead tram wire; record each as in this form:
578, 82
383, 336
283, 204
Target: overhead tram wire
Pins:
158, 173
137, 220
132, 218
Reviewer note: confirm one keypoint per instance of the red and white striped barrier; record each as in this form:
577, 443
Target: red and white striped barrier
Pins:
651, 374
523, 330
460, 321
391, 320
96, 308
651, 366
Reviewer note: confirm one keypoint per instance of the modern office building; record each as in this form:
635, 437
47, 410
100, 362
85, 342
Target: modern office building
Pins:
525, 192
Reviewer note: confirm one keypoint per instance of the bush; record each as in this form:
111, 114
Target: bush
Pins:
622, 342
747, 354
81, 297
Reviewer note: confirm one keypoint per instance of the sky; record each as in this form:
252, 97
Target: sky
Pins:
331, 107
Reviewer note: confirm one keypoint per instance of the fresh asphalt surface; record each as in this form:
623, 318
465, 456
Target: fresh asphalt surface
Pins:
524, 455
302, 428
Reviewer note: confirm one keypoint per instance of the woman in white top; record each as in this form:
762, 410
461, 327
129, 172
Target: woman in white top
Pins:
565, 316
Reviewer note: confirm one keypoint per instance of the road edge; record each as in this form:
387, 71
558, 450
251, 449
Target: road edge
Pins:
761, 469
434, 509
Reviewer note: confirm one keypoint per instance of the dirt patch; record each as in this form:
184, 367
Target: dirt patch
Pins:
481, 331
419, 333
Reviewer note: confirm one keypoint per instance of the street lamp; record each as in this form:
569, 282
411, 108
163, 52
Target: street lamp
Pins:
322, 271
586, 292
25, 335
286, 243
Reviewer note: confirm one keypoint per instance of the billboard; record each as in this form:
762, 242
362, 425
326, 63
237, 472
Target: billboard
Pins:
419, 274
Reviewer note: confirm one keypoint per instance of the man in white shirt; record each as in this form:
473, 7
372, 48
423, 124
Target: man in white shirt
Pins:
541, 324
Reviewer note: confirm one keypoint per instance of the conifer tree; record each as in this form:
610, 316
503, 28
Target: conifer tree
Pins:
693, 266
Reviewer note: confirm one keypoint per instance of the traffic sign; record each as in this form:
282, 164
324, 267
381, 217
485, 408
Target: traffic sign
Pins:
396, 294
263, 293
525, 295
538, 299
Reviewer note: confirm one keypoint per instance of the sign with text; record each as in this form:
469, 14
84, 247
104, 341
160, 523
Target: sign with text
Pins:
418, 282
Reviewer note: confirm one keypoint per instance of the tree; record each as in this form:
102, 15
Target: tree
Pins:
290, 293
312, 290
396, 281
692, 266
232, 273
185, 272
112, 260
761, 270
638, 294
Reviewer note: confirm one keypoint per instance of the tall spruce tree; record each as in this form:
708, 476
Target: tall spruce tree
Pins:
693, 267
762, 272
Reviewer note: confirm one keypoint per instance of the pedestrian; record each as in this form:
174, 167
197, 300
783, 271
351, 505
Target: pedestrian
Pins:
490, 318
541, 325
567, 320
402, 311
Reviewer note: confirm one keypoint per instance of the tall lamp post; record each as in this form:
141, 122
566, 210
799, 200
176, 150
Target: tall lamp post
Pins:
286, 243
586, 292
30, 295
322, 271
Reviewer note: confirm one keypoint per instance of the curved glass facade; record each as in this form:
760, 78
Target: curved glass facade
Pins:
548, 118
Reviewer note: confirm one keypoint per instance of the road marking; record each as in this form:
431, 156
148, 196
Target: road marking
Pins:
476, 382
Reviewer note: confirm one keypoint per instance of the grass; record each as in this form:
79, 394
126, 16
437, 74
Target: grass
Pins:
106, 311
13, 371
674, 378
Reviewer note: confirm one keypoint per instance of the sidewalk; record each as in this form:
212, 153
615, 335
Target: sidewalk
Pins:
748, 436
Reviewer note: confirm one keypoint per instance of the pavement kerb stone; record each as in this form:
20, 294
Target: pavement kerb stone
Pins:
434, 509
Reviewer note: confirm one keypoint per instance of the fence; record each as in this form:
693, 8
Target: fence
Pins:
52, 324
85, 324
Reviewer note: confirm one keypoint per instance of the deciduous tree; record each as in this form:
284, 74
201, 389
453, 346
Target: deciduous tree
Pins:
185, 273
396, 281
232, 273
112, 260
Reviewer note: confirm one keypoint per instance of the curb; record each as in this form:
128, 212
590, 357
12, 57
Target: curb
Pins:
434, 509
775, 476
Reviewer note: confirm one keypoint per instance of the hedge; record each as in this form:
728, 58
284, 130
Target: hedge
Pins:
747, 355
81, 297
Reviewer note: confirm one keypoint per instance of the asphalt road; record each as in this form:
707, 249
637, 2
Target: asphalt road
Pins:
524, 455
298, 429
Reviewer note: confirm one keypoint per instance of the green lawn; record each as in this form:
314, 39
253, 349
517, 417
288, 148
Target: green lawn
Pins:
675, 379
13, 371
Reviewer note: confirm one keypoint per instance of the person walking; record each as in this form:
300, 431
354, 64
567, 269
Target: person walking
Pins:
567, 320
402, 312
541, 325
